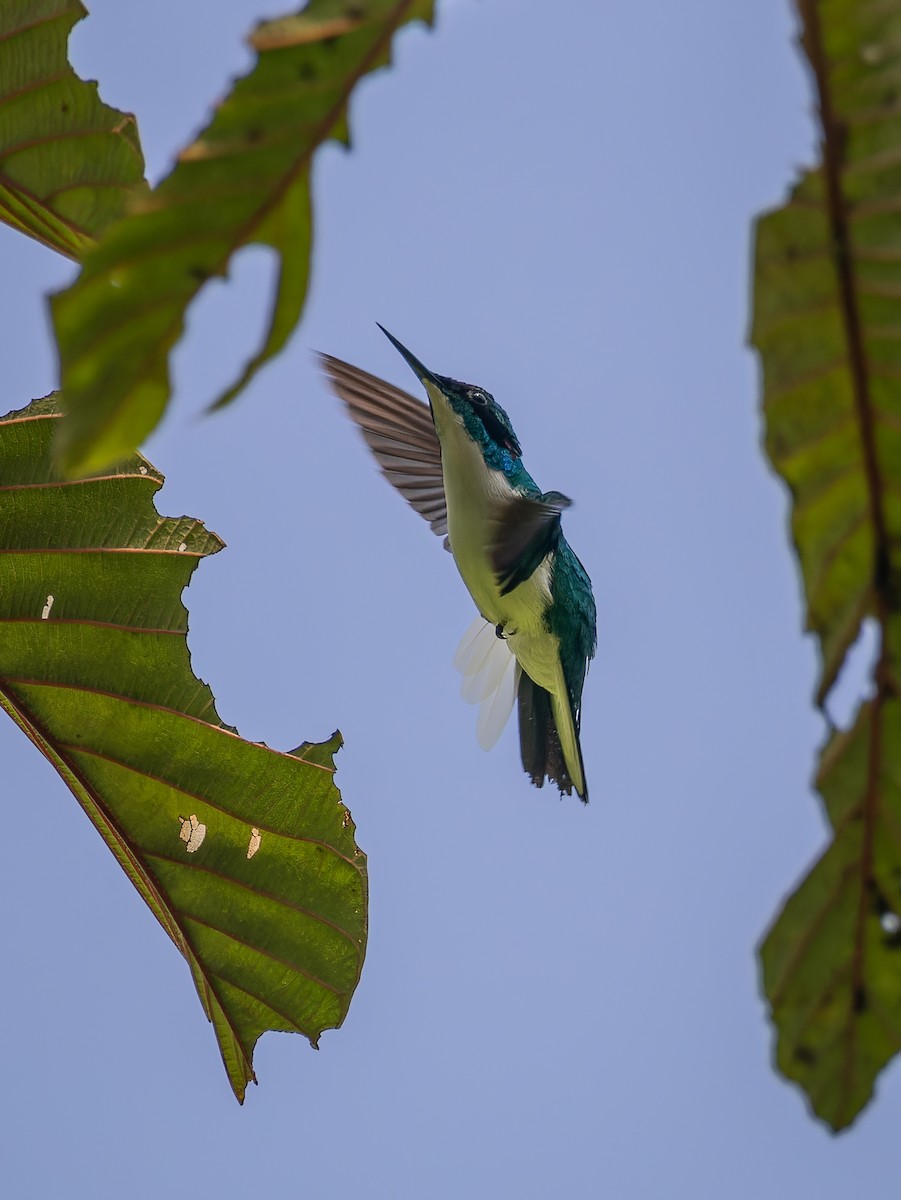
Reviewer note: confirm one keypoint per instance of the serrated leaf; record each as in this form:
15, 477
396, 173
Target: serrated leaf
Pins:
832, 961
827, 324
245, 180
67, 160
245, 855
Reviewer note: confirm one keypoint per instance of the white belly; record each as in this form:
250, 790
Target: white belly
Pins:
520, 612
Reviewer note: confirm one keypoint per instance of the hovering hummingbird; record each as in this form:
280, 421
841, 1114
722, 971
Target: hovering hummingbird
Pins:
457, 461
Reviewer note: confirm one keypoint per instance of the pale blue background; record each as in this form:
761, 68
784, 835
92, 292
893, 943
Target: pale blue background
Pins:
552, 201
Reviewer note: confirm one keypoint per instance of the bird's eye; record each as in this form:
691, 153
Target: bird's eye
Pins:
477, 396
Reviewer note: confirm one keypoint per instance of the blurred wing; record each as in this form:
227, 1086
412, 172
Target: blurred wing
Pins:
490, 678
399, 431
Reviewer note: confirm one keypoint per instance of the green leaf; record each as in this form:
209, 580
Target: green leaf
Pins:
245, 855
245, 180
832, 961
827, 324
67, 160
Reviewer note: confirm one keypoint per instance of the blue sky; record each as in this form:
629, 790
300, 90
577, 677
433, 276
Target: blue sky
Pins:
554, 203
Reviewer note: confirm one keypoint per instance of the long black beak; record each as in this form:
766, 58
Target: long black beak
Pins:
421, 372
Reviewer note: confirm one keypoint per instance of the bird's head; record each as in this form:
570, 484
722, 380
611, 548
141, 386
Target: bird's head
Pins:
477, 410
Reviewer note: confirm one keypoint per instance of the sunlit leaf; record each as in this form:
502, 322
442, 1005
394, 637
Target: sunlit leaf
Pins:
832, 961
67, 160
245, 855
245, 180
827, 324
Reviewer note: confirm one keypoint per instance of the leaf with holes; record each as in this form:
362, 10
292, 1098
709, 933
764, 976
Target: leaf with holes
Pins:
246, 856
67, 160
245, 180
827, 325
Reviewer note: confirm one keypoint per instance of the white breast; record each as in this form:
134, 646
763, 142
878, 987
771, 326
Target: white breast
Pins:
472, 491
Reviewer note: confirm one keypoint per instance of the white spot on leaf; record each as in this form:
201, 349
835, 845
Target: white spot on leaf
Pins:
142, 470
182, 547
254, 843
192, 832
891, 923
45, 611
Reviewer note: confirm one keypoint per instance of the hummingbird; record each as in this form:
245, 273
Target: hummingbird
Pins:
458, 463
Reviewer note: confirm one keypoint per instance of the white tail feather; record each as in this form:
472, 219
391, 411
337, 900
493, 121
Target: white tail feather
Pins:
495, 710
483, 664
490, 678
472, 643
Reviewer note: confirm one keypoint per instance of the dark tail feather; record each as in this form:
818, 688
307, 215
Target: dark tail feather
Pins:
539, 743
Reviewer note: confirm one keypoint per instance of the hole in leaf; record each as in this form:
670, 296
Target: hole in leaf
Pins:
855, 680
192, 832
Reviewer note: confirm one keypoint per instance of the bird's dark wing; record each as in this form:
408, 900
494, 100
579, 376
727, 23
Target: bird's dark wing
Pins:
525, 529
400, 433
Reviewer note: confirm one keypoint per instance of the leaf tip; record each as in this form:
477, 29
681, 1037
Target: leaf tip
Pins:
322, 754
